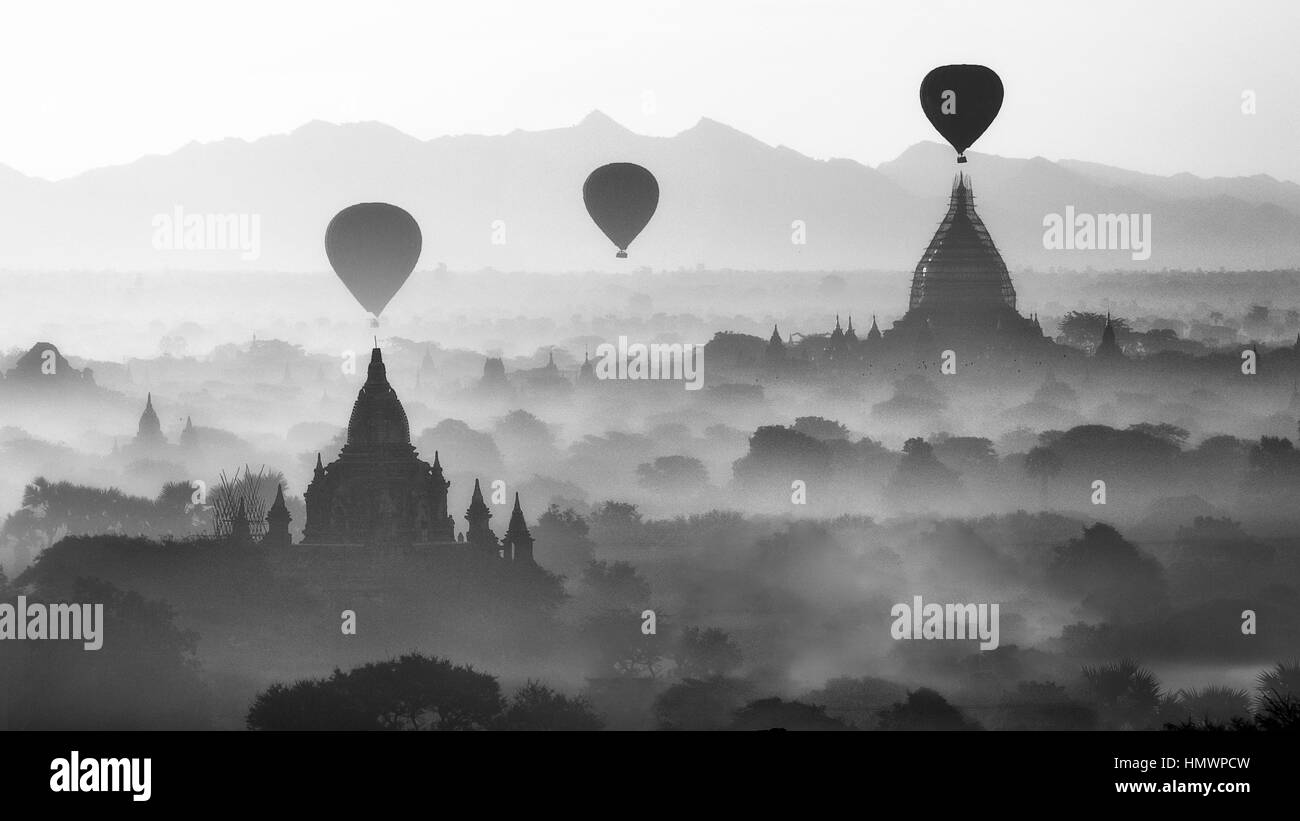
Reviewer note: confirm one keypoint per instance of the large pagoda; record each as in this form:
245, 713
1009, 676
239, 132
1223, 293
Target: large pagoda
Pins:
378, 491
961, 288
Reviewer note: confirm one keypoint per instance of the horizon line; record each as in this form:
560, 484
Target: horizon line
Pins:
595, 116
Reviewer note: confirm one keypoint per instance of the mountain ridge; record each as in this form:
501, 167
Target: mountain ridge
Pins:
728, 200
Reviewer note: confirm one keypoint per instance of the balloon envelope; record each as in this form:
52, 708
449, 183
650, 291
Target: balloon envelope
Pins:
961, 103
621, 198
373, 247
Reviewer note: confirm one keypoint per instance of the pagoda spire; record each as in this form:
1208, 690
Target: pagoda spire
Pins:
587, 372
517, 523
149, 432
1109, 347
240, 533
477, 516
517, 544
961, 278
189, 436
277, 522
837, 335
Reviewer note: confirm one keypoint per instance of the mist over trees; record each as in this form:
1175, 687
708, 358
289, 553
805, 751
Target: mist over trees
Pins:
768, 523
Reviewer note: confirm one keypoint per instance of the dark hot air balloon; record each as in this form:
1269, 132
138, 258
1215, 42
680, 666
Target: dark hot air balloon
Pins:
621, 198
961, 103
373, 247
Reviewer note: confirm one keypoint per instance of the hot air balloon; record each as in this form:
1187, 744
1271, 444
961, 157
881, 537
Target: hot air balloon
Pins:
373, 247
621, 198
961, 103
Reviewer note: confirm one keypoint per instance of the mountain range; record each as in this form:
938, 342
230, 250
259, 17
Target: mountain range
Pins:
728, 200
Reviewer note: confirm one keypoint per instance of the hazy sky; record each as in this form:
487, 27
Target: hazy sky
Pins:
1155, 86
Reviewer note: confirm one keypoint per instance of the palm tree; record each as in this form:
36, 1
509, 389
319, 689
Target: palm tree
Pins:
1125, 694
1214, 704
1280, 681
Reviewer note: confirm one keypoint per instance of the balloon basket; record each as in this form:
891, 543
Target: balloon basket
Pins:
961, 158
374, 322
621, 255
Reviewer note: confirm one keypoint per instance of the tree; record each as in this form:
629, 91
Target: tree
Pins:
1278, 712
51, 510
700, 704
1212, 705
925, 709
856, 701
1274, 465
1043, 464
919, 472
673, 474
521, 428
1110, 574
416, 692
310, 704
965, 452
616, 515
706, 653
458, 444
820, 428
562, 541
618, 646
1221, 544
1043, 706
1163, 430
1281, 679
777, 452
616, 586
1082, 329
412, 692
1133, 453
178, 515
144, 676
1125, 695
537, 707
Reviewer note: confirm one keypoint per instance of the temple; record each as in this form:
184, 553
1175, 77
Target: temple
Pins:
44, 365
961, 289
378, 490
1109, 347
961, 298
149, 432
380, 493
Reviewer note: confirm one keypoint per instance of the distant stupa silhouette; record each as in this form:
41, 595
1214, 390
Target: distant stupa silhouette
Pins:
961, 287
961, 269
